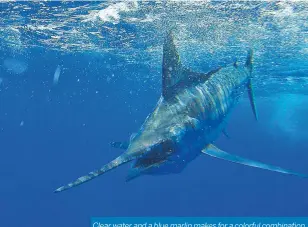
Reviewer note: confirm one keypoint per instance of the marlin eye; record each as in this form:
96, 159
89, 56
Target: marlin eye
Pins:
168, 146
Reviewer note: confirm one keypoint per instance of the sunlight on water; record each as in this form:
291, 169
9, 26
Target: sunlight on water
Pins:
208, 33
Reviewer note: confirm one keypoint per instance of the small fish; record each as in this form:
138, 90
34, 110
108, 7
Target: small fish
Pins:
56, 75
1, 80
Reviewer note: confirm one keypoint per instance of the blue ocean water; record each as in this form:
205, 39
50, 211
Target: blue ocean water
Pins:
110, 57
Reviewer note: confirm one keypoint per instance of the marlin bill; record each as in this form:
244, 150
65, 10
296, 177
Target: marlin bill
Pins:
190, 115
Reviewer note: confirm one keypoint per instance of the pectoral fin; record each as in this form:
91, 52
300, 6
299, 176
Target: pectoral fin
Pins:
217, 153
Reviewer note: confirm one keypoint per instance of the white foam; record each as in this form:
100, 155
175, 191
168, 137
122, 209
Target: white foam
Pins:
112, 12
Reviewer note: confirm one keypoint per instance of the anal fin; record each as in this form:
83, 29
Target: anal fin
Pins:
217, 153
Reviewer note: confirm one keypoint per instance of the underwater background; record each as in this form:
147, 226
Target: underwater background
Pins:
76, 76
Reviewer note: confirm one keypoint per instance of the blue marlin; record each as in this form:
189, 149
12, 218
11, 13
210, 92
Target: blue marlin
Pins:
190, 115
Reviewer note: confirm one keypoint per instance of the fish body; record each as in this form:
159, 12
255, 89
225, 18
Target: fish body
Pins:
192, 118
190, 115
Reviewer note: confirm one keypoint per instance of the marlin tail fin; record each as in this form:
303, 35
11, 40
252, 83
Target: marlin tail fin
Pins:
111, 165
251, 96
248, 63
252, 99
217, 153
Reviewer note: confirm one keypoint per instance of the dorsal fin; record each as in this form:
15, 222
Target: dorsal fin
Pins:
172, 67
175, 76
